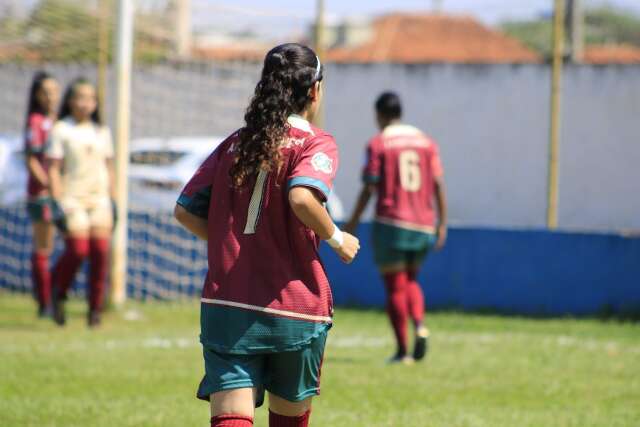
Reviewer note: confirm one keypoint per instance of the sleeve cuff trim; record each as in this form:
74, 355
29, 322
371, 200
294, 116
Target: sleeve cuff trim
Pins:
304, 181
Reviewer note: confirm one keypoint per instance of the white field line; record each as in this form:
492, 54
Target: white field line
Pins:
336, 340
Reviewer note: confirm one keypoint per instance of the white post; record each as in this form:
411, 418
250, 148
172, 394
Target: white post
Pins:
124, 45
183, 28
577, 31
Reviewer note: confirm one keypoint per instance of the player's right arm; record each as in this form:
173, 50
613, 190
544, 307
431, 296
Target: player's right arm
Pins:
54, 153
192, 206
193, 223
34, 146
370, 179
55, 181
36, 170
367, 191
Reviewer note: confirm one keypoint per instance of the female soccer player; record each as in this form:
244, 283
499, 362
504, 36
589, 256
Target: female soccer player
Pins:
258, 201
404, 170
43, 98
81, 176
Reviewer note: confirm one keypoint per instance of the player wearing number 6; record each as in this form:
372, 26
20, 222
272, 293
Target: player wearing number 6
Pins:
257, 200
403, 168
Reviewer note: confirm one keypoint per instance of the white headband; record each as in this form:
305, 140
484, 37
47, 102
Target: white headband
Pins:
317, 76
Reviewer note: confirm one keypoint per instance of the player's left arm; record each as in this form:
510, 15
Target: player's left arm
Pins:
440, 196
441, 202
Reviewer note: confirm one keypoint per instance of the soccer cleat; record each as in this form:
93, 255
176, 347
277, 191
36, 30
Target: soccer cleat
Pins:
93, 319
401, 359
59, 315
45, 311
421, 345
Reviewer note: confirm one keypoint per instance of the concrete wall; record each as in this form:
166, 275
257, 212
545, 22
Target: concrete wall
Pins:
491, 122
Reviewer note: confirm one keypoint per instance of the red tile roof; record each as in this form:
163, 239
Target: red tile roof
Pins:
420, 38
612, 54
230, 53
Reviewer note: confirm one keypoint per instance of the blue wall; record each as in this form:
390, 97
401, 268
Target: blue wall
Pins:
516, 272
520, 272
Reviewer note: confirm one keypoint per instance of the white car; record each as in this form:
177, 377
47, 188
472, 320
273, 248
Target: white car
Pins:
13, 171
160, 167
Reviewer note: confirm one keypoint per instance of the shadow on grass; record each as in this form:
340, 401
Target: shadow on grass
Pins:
342, 360
629, 314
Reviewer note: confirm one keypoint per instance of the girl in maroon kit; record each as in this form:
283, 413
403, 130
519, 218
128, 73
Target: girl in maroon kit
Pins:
43, 98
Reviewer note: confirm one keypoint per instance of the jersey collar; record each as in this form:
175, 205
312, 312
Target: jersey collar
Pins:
299, 122
400, 129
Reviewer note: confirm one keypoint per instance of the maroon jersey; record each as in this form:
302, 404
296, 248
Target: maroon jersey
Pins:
37, 133
403, 163
263, 262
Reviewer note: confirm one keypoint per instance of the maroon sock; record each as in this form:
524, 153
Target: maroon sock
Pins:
231, 420
397, 307
98, 264
75, 251
41, 277
276, 420
416, 302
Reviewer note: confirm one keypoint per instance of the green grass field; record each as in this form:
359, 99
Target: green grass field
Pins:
142, 368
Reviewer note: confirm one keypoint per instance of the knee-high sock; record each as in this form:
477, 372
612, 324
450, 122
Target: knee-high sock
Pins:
75, 251
41, 277
98, 264
276, 420
231, 420
397, 307
416, 299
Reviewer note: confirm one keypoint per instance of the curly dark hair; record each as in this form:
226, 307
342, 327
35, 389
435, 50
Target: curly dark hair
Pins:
289, 72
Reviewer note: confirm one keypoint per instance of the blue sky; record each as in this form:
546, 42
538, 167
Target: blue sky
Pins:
279, 17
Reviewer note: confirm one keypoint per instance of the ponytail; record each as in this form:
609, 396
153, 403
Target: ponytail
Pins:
290, 71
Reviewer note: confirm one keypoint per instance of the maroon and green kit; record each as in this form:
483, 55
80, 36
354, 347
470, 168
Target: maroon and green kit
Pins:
266, 289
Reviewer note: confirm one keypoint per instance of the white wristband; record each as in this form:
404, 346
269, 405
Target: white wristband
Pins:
337, 239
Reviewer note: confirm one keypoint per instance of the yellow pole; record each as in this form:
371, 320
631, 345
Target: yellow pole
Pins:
554, 128
103, 55
320, 50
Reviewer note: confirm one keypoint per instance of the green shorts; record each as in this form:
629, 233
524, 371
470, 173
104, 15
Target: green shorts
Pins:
399, 248
291, 375
39, 209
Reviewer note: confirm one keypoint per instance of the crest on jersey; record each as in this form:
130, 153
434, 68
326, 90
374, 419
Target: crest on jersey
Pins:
321, 162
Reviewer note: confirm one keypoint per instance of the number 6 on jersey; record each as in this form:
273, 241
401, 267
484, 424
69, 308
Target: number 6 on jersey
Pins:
410, 177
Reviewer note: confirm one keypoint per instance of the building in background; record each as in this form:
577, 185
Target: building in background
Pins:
223, 46
612, 54
425, 38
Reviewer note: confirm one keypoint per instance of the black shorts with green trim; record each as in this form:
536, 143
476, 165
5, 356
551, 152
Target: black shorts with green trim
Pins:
40, 209
395, 246
291, 375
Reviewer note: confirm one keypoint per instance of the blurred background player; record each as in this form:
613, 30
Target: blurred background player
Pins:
403, 168
80, 153
41, 111
265, 282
